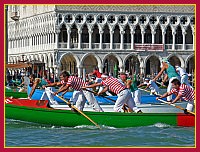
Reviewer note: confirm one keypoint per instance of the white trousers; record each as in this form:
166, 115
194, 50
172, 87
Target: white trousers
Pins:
190, 106
47, 95
79, 98
184, 79
136, 96
125, 97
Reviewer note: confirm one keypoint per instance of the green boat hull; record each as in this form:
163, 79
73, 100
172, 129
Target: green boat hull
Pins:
71, 119
11, 93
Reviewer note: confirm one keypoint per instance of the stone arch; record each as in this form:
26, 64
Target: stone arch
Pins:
71, 61
190, 63
111, 61
152, 64
174, 61
132, 63
99, 61
93, 62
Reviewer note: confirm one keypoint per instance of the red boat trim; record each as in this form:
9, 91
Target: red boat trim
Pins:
186, 120
27, 102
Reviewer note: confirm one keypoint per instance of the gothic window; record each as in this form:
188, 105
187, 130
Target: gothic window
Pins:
127, 35
63, 34
106, 34
148, 35
116, 35
189, 36
95, 35
85, 34
168, 36
74, 34
179, 36
137, 35
158, 35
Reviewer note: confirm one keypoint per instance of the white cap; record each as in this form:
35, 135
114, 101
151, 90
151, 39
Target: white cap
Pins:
104, 76
176, 66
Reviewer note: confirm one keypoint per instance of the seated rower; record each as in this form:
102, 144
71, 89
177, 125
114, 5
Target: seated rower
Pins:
150, 84
182, 91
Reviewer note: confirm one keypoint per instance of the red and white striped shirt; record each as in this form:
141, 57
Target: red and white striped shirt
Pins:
186, 92
76, 83
114, 85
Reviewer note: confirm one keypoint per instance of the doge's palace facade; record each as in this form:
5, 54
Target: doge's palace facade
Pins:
77, 38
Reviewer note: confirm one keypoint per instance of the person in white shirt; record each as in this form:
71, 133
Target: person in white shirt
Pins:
183, 75
152, 85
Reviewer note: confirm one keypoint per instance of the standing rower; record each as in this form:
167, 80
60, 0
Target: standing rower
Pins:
170, 74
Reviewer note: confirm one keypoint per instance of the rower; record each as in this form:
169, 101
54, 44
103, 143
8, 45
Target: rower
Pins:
170, 74
115, 86
182, 91
80, 95
183, 74
150, 84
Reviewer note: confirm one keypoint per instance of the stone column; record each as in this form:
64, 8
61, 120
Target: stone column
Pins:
153, 36
101, 39
90, 39
111, 39
173, 43
132, 40
122, 40
121, 68
163, 38
142, 32
100, 68
193, 34
57, 39
183, 33
79, 70
79, 39
68, 38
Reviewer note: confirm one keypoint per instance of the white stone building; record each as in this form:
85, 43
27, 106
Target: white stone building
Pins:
113, 38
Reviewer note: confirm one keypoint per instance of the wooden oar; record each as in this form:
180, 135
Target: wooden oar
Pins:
179, 107
70, 105
124, 107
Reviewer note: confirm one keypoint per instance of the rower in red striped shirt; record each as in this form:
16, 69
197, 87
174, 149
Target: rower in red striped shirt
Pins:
181, 91
80, 96
117, 87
